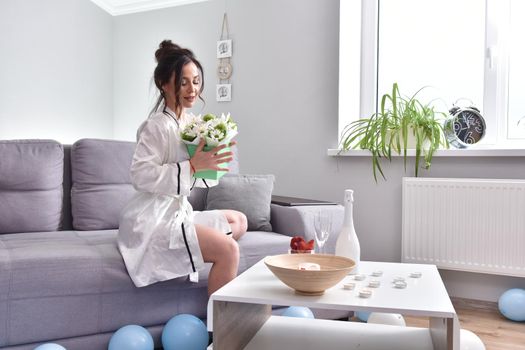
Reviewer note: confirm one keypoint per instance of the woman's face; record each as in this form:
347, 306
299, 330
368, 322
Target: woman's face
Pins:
190, 85
189, 89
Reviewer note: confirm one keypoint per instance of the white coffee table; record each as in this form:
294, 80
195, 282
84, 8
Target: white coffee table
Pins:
242, 312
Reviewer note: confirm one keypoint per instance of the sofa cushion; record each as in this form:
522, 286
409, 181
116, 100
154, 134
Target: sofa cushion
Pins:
249, 194
197, 198
256, 245
78, 280
69, 284
101, 183
31, 173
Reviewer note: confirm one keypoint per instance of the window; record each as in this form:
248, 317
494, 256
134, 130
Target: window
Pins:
467, 51
516, 104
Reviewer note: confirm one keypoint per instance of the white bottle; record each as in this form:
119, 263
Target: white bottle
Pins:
347, 244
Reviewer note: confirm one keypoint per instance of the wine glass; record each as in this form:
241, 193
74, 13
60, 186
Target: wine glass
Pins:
323, 227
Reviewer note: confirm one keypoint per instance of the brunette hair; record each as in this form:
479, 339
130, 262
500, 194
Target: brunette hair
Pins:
171, 58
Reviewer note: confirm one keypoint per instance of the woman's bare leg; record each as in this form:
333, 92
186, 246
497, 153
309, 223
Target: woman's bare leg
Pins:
222, 251
237, 221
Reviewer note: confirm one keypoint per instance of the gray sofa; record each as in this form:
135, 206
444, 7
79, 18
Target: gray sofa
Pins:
62, 278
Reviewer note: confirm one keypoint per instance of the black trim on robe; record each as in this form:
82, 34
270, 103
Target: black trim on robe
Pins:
169, 115
188, 247
178, 179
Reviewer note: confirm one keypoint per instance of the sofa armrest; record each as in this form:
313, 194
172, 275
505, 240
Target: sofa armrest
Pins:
299, 221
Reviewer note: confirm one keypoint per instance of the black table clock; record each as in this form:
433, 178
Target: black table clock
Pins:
464, 127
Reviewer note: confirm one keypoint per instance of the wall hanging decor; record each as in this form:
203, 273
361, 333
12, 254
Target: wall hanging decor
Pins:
224, 67
224, 48
224, 92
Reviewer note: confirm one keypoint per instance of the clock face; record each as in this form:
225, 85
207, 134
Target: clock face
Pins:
469, 127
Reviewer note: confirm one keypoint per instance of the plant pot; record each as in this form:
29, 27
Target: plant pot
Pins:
381, 133
411, 141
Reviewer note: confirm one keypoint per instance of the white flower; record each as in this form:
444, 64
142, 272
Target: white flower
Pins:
215, 130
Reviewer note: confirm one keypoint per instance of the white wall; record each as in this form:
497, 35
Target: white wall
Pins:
55, 70
137, 36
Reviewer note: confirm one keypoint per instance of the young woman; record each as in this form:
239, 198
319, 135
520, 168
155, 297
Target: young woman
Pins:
160, 236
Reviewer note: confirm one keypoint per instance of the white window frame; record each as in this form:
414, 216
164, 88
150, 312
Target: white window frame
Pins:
358, 59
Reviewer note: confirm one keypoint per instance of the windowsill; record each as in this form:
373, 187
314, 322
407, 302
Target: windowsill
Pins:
452, 152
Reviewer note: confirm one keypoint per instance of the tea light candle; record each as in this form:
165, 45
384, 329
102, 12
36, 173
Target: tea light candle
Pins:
399, 278
374, 284
365, 293
416, 274
309, 266
377, 273
359, 277
349, 286
400, 284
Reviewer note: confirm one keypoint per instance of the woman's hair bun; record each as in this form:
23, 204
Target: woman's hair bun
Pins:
166, 47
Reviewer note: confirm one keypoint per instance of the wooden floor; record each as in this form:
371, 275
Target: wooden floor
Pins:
484, 319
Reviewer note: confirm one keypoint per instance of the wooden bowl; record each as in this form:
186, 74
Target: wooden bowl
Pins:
309, 282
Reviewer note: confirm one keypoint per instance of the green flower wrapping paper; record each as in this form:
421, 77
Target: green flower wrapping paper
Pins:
215, 131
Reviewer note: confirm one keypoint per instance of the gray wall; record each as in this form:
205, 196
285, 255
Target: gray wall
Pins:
285, 78
55, 70
285, 97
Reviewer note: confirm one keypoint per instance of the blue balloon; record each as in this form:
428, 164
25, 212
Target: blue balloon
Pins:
131, 337
50, 346
512, 304
185, 332
362, 315
298, 311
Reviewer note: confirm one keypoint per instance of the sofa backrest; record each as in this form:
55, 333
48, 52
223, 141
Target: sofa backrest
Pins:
31, 174
101, 184
46, 186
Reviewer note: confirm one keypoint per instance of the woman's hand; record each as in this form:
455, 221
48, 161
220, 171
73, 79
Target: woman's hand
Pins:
210, 160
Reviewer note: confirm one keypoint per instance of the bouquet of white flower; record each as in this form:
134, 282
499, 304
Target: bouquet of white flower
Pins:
215, 130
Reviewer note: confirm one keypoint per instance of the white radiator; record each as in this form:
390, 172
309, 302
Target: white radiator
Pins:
465, 224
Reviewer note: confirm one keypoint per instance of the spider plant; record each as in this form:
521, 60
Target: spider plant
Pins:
390, 129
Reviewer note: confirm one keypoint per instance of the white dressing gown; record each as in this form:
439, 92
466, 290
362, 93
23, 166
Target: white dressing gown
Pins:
157, 237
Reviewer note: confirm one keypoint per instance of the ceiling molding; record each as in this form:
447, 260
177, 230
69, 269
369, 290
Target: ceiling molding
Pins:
123, 7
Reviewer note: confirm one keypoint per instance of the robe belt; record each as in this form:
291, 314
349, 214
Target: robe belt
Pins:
183, 216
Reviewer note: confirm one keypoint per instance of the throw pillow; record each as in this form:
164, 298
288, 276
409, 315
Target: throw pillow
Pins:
249, 194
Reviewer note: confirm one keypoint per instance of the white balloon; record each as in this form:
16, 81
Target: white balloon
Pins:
470, 341
386, 318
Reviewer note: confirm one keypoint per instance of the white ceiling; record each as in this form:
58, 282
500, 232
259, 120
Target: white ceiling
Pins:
122, 7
